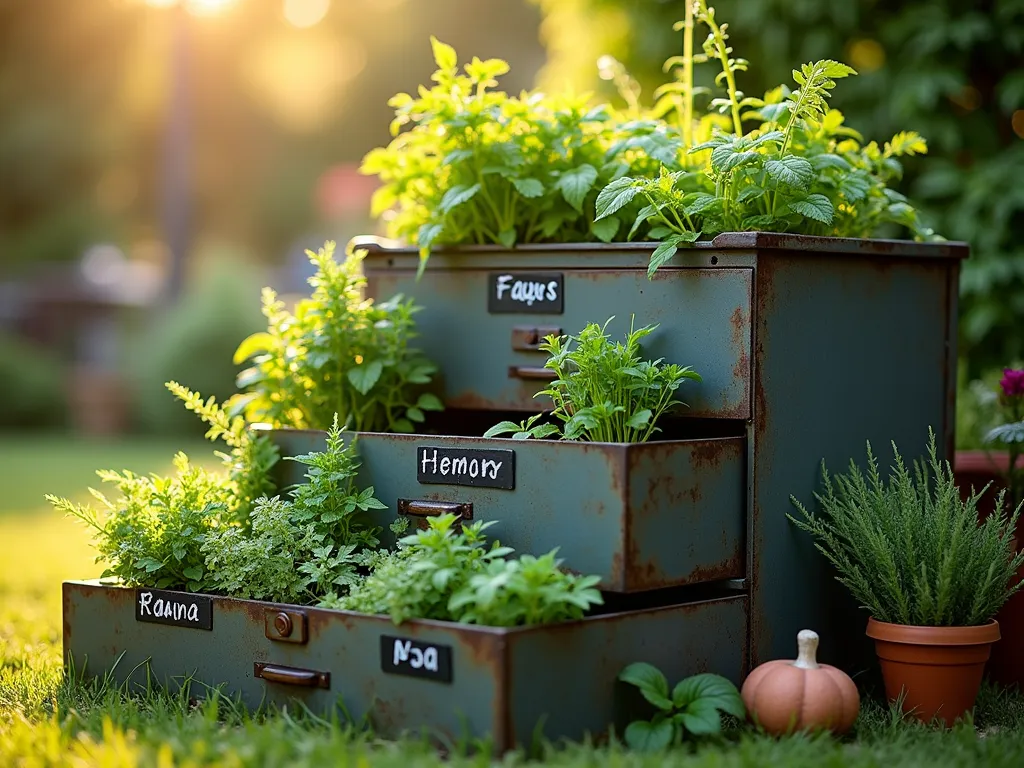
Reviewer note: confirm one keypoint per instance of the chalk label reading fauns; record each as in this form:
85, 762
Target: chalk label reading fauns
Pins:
466, 466
179, 609
399, 656
540, 293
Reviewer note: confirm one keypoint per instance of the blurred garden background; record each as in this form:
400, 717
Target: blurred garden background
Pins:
161, 160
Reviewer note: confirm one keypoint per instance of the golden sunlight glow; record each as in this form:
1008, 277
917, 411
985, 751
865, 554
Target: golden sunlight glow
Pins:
305, 13
209, 7
299, 77
161, 3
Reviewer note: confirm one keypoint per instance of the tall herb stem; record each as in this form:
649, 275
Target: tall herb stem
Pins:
688, 75
707, 15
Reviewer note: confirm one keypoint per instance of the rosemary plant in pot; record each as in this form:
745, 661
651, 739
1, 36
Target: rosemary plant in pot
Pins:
915, 555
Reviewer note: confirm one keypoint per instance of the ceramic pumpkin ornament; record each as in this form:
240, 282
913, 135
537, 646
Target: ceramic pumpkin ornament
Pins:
785, 695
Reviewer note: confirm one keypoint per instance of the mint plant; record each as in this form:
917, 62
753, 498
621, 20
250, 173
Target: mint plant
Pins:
694, 707
450, 574
338, 353
476, 165
603, 391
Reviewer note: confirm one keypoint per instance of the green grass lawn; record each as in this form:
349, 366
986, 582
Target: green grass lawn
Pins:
47, 722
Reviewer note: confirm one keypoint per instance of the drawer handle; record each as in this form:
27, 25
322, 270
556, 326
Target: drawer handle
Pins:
531, 373
429, 508
528, 338
304, 678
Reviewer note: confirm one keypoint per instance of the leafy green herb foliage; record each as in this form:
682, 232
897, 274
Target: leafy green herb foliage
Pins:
336, 353
480, 166
304, 550
907, 547
200, 532
604, 391
693, 707
153, 533
451, 574
799, 170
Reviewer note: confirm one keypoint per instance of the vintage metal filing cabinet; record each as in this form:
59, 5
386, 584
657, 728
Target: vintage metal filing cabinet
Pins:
808, 347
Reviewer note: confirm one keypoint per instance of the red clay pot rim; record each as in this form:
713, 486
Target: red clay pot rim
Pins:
906, 633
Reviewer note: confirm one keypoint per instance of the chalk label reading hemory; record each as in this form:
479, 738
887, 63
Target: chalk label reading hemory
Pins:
466, 466
179, 609
399, 656
525, 292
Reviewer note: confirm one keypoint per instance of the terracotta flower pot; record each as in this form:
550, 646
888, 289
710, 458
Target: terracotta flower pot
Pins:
940, 668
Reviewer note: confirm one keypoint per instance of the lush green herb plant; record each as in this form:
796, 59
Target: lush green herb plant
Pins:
305, 549
336, 353
479, 166
693, 707
799, 169
153, 533
450, 574
603, 391
909, 549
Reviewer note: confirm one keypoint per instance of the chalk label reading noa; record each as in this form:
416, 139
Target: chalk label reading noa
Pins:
466, 466
540, 293
179, 609
401, 656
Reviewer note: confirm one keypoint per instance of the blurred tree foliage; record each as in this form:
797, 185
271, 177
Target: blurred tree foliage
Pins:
952, 71
57, 126
85, 91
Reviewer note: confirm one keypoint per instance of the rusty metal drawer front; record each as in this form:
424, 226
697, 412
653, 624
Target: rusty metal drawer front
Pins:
641, 516
498, 683
486, 357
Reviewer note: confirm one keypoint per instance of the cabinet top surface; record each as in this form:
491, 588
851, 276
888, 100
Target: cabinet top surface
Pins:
762, 242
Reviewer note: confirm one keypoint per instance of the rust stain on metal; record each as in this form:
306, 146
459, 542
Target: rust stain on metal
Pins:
709, 454
485, 647
648, 574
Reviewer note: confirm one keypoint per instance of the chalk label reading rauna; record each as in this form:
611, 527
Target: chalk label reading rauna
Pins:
466, 466
400, 656
525, 292
175, 608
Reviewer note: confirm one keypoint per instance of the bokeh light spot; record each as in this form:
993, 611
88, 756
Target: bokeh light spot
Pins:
305, 13
209, 7
1017, 121
300, 77
865, 55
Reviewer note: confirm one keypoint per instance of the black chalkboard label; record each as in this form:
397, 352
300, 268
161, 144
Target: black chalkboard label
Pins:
400, 656
466, 466
179, 609
539, 293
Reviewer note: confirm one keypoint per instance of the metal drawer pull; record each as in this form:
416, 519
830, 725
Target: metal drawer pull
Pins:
531, 372
528, 338
305, 678
429, 508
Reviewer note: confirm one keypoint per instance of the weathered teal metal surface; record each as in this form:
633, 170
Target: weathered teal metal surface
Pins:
641, 516
698, 309
503, 682
847, 349
850, 340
